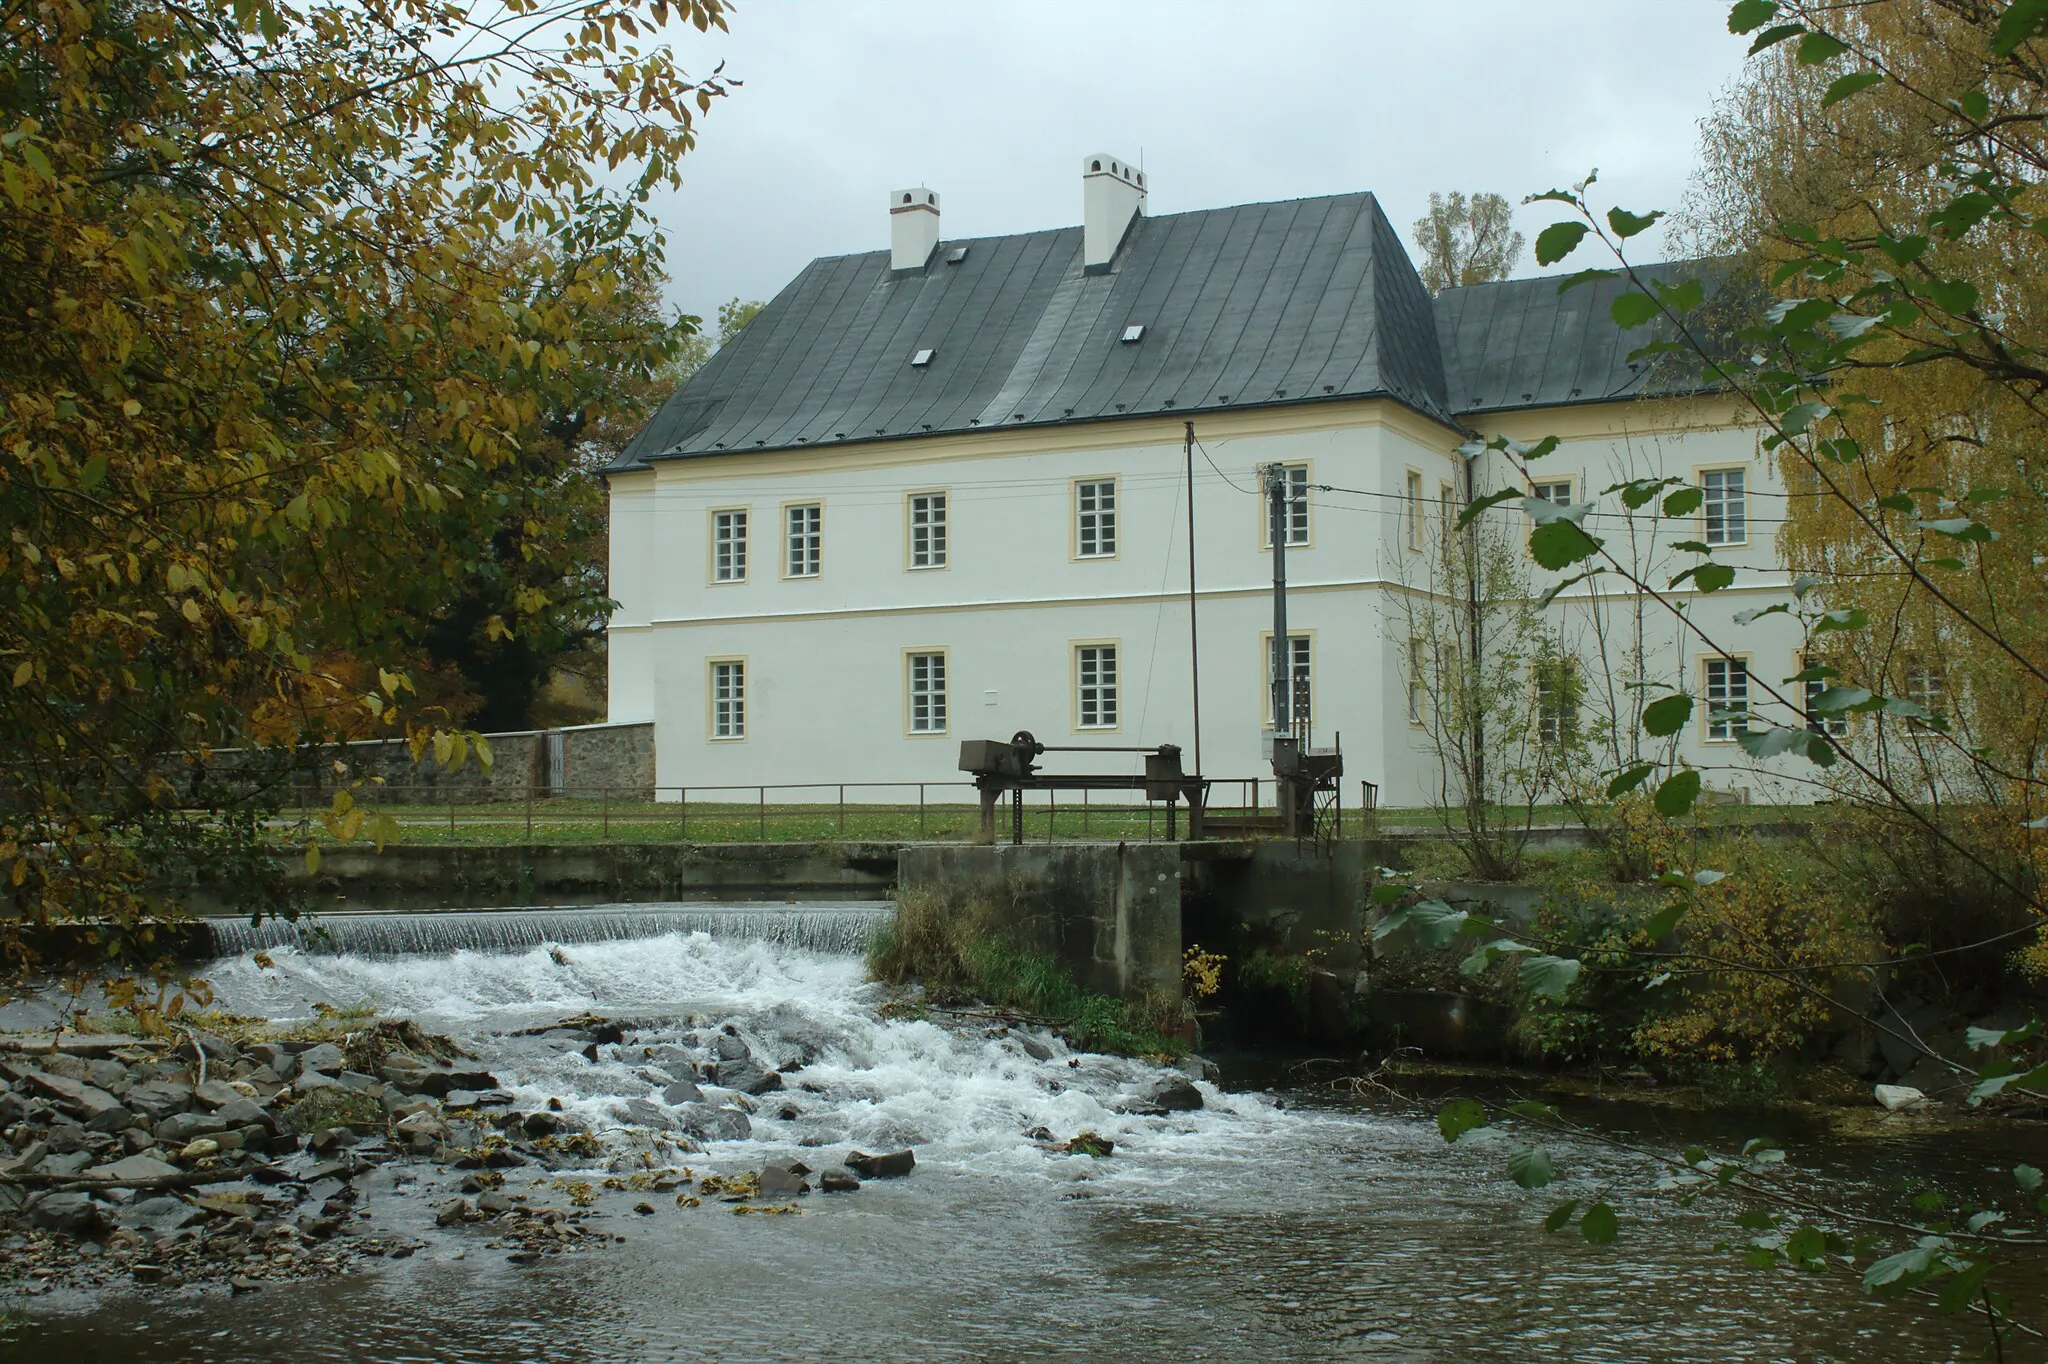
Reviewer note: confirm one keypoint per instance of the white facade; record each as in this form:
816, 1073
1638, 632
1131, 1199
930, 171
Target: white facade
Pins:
836, 669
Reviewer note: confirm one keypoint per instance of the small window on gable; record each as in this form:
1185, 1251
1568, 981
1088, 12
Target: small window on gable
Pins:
1133, 333
922, 358
956, 255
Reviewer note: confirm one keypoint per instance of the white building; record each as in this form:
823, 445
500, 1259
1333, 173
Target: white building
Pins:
939, 492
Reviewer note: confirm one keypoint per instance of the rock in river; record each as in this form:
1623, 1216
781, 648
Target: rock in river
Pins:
889, 1166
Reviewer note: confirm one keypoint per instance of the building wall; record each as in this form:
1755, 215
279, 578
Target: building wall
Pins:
825, 656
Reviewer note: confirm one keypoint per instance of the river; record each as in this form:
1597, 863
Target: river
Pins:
1283, 1220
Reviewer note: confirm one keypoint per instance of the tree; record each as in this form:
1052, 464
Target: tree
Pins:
1466, 241
267, 335
1914, 277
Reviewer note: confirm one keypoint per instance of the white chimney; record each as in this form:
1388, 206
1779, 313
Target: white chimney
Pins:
1112, 194
913, 227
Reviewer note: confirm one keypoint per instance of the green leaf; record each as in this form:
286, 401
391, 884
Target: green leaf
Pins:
1530, 1167
1543, 511
1681, 297
1559, 240
1842, 618
1694, 1155
1713, 577
1478, 505
1842, 87
1627, 224
1660, 925
2027, 1177
1561, 544
1896, 1273
1956, 296
1667, 715
1677, 793
2023, 19
1963, 1289
1629, 780
1797, 419
1632, 309
1746, 15
1578, 277
1817, 47
1548, 976
1560, 1216
1771, 741
1684, 502
1458, 1117
1805, 1244
1994, 1084
1480, 958
1774, 35
1599, 1225
1839, 698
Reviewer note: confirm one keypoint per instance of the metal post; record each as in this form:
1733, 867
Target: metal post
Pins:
1052, 814
1276, 506
1084, 812
1017, 816
1194, 638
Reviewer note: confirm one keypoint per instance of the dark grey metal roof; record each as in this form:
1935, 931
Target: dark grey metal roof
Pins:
1255, 306
1521, 343
1262, 304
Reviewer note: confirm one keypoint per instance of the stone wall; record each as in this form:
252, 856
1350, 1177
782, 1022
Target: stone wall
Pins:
1109, 913
594, 758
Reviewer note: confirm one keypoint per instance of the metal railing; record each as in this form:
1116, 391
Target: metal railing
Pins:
782, 812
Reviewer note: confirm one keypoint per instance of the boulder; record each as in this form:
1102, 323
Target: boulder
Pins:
272, 1054
541, 1124
246, 1113
133, 1170
747, 1078
70, 1211
1175, 1094
69, 1163
311, 1080
12, 1109
1896, 1098
893, 1165
453, 1211
355, 1079
494, 1202
217, 1093
160, 1214
426, 1122
114, 1120
647, 1113
1033, 1047
158, 1099
73, 1096
838, 1181
707, 1123
217, 1049
1200, 1068
730, 1047
199, 1149
181, 1128
438, 1080
682, 1092
326, 1058
779, 1180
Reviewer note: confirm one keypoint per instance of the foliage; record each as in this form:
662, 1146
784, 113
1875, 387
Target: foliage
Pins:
287, 293
1498, 701
1202, 972
1467, 240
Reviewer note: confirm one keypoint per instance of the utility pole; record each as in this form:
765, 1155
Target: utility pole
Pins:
1194, 637
1276, 517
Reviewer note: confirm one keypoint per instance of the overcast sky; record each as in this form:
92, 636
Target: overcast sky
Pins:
994, 103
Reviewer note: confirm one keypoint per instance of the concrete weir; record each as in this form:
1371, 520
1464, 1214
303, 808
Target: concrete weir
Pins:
1108, 912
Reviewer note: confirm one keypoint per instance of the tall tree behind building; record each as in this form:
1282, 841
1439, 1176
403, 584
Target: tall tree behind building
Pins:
1466, 240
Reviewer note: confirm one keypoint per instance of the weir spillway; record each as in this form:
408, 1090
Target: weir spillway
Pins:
816, 929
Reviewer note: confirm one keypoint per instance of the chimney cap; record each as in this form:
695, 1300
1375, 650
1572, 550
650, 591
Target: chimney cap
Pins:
1102, 163
916, 199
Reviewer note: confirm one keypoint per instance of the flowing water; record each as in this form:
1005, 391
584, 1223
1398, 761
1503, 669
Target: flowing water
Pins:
1280, 1221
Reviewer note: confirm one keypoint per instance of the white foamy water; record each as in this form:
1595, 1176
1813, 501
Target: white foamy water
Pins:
959, 1094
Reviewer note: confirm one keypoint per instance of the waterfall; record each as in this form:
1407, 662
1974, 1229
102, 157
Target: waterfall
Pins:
835, 929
